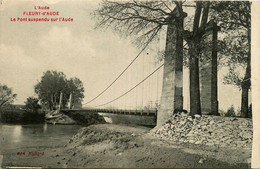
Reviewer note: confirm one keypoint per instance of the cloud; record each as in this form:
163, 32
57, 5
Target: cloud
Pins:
60, 42
14, 56
63, 48
17, 71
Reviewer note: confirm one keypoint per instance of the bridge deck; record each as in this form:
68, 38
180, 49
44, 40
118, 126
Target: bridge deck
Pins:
119, 111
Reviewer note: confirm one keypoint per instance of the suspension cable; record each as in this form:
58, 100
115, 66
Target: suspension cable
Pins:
132, 87
121, 72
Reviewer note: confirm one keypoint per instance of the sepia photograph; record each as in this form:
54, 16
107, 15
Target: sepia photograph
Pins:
129, 84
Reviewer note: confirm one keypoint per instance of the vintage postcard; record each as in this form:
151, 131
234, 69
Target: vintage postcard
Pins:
129, 84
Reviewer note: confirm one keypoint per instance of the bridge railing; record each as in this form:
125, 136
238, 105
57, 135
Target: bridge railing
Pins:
148, 112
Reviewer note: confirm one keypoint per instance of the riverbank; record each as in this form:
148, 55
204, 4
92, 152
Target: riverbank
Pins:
208, 130
21, 116
110, 145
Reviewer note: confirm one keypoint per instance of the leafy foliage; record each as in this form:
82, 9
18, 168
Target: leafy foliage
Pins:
230, 112
53, 83
32, 104
232, 15
6, 95
75, 86
235, 21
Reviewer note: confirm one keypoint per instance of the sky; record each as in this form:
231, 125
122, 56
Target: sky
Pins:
96, 56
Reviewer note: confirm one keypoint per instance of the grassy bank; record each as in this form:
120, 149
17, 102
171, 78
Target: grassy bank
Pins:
22, 116
84, 118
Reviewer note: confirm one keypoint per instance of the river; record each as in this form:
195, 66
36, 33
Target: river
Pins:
31, 145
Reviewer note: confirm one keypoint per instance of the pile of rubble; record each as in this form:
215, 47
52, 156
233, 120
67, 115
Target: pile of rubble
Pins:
208, 130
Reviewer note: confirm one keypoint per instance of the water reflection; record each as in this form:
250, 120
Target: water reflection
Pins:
19, 136
45, 127
31, 138
17, 132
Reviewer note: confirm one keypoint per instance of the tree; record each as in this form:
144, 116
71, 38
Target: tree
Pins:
32, 104
75, 87
235, 18
53, 83
49, 88
193, 40
146, 18
6, 95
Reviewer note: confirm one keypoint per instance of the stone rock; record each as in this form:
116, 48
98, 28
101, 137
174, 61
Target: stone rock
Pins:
198, 142
201, 161
208, 130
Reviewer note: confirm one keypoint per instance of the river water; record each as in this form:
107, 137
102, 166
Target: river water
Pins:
18, 141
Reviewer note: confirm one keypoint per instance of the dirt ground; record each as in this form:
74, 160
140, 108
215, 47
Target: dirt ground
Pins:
109, 145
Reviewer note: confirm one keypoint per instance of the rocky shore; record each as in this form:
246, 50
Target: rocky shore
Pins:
207, 130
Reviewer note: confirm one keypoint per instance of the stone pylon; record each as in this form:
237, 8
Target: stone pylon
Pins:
70, 102
60, 103
209, 71
172, 90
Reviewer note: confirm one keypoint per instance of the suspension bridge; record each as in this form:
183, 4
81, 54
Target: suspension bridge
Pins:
136, 90
149, 86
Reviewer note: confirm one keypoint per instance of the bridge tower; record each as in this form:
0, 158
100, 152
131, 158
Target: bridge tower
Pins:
172, 90
209, 71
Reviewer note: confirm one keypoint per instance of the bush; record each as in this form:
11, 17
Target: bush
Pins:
33, 117
32, 104
221, 112
85, 118
238, 114
22, 116
231, 112
250, 111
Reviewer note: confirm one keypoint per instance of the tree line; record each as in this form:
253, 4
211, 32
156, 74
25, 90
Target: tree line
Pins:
48, 91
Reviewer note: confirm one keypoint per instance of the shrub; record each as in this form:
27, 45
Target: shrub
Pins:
231, 112
222, 112
22, 116
32, 104
250, 111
